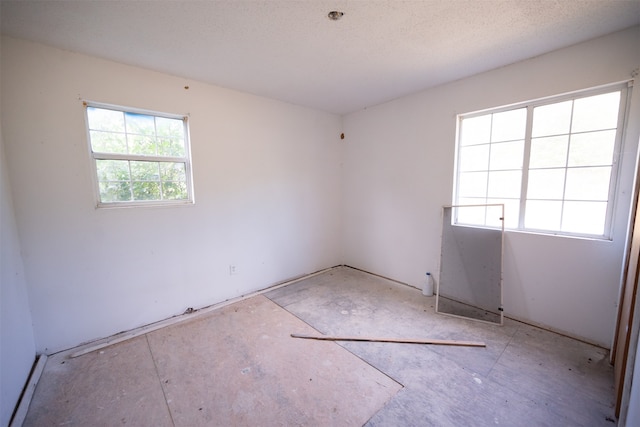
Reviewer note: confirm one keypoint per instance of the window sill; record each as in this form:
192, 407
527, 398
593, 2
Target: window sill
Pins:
149, 204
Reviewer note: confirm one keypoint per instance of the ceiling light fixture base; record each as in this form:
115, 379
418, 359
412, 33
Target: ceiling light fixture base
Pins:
334, 15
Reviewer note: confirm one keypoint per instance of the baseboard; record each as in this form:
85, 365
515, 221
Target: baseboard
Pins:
381, 276
189, 315
25, 400
506, 314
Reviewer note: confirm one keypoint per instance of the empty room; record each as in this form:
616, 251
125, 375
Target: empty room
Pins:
345, 213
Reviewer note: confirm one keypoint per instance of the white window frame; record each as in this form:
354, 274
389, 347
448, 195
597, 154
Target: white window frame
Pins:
625, 96
186, 159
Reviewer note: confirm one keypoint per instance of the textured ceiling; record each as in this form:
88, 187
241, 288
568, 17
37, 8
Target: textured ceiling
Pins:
291, 51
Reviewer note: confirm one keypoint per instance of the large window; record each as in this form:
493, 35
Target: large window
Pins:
552, 163
139, 157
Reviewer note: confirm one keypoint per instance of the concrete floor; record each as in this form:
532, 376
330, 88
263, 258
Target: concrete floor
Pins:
239, 366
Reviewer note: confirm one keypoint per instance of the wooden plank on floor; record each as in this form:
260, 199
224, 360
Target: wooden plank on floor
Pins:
393, 340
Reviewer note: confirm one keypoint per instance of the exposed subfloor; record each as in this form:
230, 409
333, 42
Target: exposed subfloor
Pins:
238, 365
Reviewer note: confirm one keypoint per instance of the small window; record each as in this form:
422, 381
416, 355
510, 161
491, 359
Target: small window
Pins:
552, 163
139, 157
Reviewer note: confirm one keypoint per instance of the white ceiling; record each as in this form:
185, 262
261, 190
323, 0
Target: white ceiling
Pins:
291, 51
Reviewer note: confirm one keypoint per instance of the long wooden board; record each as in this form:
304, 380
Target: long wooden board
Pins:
392, 340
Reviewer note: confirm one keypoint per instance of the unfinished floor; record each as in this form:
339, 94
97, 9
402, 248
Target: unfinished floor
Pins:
238, 365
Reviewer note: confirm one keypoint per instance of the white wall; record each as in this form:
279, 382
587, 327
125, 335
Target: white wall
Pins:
17, 344
398, 172
267, 189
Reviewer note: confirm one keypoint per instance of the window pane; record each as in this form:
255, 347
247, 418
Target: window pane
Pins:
596, 112
145, 171
174, 190
504, 184
140, 124
592, 148
472, 184
549, 152
507, 155
113, 170
588, 183
146, 190
509, 125
107, 120
584, 217
474, 158
173, 172
546, 184
494, 213
144, 145
511, 213
553, 119
475, 130
472, 201
115, 191
171, 128
108, 142
543, 214
472, 215
171, 147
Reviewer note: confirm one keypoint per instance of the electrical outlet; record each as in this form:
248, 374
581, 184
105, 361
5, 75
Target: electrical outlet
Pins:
233, 270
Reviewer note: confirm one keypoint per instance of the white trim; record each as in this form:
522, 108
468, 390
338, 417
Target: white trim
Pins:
30, 388
137, 157
135, 110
